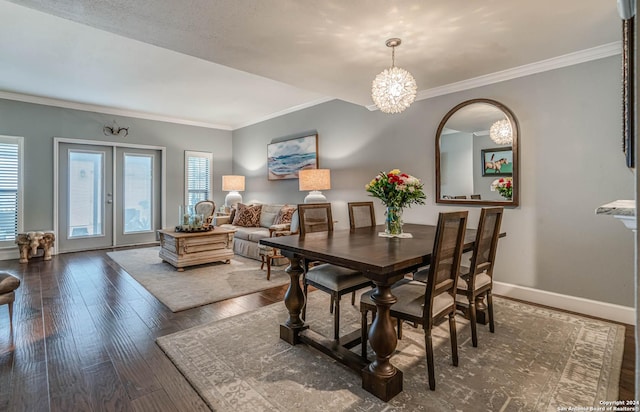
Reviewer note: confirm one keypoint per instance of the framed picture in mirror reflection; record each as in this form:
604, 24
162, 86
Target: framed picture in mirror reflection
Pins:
497, 162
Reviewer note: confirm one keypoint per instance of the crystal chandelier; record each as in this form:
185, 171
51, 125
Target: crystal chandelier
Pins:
394, 89
500, 132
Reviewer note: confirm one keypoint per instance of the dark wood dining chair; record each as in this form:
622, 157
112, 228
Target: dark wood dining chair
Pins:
430, 302
361, 214
315, 217
477, 280
331, 279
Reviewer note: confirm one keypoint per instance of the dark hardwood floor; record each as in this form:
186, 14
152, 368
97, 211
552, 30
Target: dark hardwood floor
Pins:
84, 340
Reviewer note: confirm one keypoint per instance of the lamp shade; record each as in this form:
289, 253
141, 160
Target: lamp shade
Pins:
233, 183
315, 179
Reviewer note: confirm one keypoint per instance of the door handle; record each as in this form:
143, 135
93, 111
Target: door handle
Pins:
109, 201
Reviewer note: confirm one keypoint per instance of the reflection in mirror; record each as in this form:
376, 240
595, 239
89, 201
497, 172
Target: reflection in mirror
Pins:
477, 155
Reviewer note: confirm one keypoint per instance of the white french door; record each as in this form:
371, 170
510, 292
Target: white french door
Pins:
137, 196
107, 196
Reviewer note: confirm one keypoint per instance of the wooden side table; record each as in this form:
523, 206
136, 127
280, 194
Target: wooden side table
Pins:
267, 254
29, 243
182, 249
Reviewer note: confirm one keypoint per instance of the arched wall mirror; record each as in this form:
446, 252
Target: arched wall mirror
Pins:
477, 155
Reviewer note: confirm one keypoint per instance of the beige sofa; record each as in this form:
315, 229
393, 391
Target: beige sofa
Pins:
246, 239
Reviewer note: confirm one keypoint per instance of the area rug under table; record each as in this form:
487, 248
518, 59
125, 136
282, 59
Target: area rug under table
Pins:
197, 285
537, 360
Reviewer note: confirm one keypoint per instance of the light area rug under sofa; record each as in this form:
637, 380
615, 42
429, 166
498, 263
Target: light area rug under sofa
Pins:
197, 285
537, 360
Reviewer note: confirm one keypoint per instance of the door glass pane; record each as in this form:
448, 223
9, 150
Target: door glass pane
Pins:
85, 194
138, 192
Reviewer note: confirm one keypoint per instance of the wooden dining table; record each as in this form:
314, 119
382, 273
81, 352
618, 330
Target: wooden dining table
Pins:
384, 260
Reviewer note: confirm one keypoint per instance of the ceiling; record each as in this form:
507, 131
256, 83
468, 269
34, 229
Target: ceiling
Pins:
473, 118
228, 64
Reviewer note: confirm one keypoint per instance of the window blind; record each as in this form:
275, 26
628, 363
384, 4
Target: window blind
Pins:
198, 177
9, 180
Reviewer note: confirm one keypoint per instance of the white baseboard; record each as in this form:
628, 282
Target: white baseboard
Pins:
603, 310
9, 253
589, 307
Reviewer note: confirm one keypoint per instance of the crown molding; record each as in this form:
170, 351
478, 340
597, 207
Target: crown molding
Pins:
582, 56
106, 110
595, 53
148, 116
285, 111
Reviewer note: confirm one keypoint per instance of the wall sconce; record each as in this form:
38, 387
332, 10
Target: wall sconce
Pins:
315, 180
115, 130
232, 184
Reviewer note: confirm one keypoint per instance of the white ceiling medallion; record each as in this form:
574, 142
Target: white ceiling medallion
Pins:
394, 89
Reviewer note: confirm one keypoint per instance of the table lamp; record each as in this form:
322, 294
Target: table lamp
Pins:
232, 184
315, 180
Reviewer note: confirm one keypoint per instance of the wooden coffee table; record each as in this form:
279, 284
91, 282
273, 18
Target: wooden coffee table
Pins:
182, 249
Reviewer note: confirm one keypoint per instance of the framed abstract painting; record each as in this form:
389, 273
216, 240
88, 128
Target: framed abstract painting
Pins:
285, 159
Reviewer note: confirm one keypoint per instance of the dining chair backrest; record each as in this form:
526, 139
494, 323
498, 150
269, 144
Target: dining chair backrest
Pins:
361, 214
486, 243
295, 222
315, 217
445, 258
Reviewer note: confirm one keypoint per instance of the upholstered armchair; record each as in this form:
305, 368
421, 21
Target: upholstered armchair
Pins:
8, 285
206, 208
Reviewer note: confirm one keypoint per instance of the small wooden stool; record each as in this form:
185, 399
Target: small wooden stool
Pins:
267, 254
8, 284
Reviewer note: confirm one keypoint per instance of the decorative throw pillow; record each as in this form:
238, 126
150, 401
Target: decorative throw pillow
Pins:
247, 216
268, 214
235, 212
284, 216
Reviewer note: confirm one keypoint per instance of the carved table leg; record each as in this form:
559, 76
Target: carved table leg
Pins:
48, 241
23, 246
294, 301
24, 253
382, 378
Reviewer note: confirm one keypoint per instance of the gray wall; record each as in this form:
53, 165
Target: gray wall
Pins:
39, 124
571, 163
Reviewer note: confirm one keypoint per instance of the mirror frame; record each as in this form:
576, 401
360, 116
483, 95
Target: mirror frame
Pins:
515, 200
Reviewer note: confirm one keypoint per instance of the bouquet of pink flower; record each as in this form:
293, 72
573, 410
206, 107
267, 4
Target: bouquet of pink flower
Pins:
397, 189
504, 186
